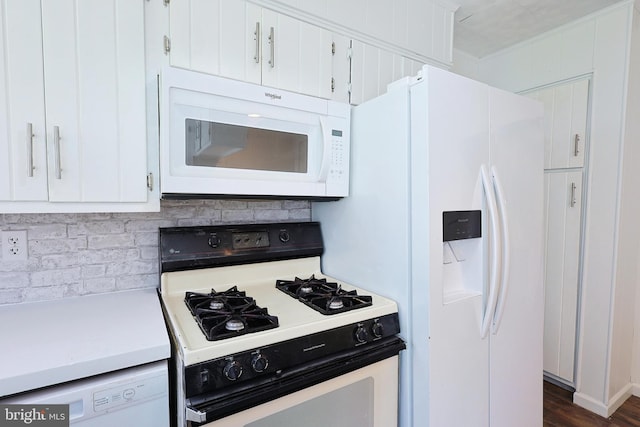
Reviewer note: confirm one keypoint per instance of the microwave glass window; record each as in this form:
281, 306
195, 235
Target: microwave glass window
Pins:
222, 145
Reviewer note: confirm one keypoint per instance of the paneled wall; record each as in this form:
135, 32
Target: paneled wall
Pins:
79, 254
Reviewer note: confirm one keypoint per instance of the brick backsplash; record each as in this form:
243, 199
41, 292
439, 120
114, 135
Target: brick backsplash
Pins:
79, 254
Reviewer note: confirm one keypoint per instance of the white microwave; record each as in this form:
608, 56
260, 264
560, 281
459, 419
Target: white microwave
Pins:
223, 137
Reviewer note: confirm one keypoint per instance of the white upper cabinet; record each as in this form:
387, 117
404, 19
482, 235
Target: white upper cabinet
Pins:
240, 40
75, 102
222, 37
23, 149
372, 69
414, 28
286, 44
565, 123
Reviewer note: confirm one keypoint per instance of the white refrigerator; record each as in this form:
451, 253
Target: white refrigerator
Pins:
445, 216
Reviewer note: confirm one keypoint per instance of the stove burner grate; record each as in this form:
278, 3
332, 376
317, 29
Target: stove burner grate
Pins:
227, 314
325, 297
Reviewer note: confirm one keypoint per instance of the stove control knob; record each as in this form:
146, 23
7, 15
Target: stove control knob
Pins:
233, 370
214, 240
377, 329
284, 236
259, 363
361, 334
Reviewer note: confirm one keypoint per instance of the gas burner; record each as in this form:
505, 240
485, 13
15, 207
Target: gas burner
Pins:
234, 325
228, 314
325, 297
216, 304
335, 304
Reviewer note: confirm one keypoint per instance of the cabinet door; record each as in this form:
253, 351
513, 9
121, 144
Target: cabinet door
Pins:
94, 79
372, 69
23, 169
566, 108
296, 56
221, 37
563, 207
341, 68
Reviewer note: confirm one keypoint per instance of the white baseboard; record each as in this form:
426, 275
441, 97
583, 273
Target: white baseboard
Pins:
615, 402
590, 404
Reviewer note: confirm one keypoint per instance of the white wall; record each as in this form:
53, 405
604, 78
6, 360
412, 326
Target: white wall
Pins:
597, 45
465, 64
631, 201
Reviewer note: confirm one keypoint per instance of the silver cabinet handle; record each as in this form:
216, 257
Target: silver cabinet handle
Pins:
256, 57
272, 42
576, 146
573, 194
56, 152
30, 136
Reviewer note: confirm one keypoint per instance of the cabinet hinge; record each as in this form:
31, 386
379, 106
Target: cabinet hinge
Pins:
167, 45
333, 48
150, 181
350, 53
333, 85
349, 88
166, 2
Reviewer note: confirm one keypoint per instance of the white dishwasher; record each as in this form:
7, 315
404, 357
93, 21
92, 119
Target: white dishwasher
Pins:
135, 396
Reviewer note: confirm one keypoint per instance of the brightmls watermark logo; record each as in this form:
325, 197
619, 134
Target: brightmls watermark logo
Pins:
34, 415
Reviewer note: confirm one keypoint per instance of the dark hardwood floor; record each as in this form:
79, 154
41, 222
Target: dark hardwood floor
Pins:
559, 410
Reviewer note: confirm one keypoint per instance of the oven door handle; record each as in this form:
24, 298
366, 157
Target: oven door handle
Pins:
196, 415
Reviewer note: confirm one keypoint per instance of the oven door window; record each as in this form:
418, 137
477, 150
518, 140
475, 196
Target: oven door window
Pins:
345, 407
365, 397
224, 145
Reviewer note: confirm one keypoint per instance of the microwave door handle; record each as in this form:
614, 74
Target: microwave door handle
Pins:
326, 150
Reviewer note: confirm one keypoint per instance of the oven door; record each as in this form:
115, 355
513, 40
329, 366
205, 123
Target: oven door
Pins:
358, 384
367, 397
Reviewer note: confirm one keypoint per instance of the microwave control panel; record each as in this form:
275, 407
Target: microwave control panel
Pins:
338, 178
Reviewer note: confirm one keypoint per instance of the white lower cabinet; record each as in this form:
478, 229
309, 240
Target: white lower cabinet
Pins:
74, 102
563, 215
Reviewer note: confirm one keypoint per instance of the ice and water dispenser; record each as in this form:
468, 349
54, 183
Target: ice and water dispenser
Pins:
462, 255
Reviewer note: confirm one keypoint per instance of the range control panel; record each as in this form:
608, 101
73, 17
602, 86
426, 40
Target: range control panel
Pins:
183, 248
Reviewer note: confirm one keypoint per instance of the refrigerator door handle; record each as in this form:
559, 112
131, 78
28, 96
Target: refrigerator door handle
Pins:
504, 276
492, 297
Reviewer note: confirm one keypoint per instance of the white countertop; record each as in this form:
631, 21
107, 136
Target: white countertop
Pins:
50, 342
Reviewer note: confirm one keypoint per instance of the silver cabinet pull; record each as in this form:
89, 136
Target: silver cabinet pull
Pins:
573, 194
576, 146
56, 152
256, 57
272, 42
30, 136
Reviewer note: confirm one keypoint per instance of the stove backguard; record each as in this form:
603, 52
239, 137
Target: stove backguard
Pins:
187, 248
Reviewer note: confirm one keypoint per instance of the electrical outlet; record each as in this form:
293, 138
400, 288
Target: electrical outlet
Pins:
14, 245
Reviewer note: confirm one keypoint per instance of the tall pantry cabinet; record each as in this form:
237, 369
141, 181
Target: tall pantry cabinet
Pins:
72, 103
566, 109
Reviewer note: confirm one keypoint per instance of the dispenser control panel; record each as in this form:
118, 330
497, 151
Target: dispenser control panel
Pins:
458, 225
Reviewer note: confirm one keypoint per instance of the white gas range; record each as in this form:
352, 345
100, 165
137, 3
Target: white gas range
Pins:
260, 333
